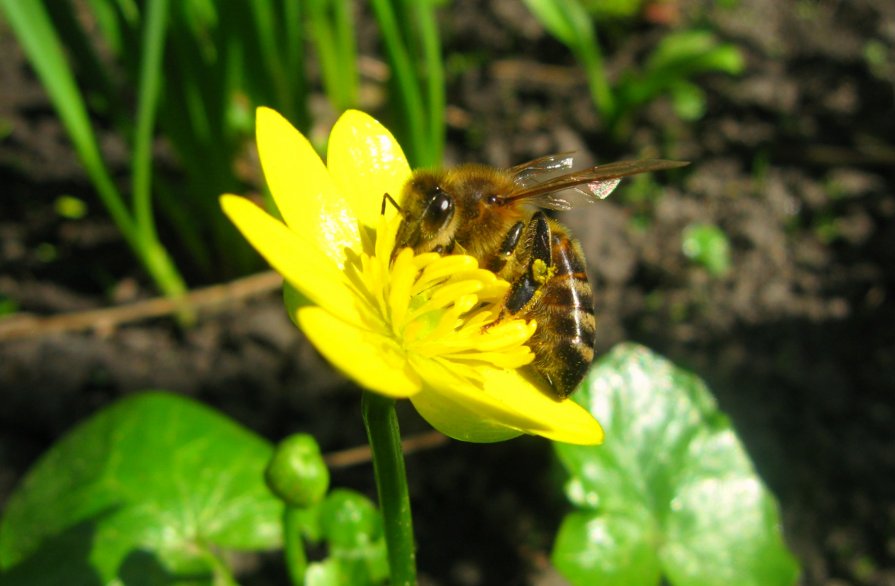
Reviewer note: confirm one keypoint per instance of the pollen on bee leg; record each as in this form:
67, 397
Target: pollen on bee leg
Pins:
540, 272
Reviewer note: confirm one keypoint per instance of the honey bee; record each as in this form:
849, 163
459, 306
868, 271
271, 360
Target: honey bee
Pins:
496, 215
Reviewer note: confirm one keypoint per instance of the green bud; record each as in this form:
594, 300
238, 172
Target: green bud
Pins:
348, 519
296, 473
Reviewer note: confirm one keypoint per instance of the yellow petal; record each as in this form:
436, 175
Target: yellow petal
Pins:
562, 421
458, 421
316, 276
373, 360
462, 410
366, 162
305, 194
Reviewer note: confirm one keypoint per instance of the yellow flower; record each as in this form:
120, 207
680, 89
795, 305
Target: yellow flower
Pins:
408, 329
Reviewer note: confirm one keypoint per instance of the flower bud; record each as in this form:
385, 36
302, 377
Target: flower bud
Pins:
296, 473
348, 519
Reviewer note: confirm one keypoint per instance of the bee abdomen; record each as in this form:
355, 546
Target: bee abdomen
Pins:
563, 344
564, 341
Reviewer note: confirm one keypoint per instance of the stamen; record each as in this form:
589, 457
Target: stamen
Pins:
442, 307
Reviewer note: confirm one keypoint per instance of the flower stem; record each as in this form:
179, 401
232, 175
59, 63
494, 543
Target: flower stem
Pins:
384, 436
296, 560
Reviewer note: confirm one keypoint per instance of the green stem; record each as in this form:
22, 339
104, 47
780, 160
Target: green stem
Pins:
296, 560
222, 574
384, 436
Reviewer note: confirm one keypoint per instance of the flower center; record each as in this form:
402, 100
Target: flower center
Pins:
443, 307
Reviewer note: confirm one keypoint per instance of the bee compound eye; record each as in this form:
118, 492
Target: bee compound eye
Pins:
442, 203
439, 210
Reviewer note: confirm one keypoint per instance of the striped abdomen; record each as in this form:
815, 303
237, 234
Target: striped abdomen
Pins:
563, 343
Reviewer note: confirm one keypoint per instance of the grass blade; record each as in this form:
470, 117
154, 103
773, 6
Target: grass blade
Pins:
38, 38
32, 26
435, 93
408, 87
148, 92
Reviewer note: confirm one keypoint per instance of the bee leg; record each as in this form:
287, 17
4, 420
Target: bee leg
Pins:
449, 249
526, 291
507, 248
387, 198
538, 256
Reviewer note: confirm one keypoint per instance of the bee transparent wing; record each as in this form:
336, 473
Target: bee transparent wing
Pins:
573, 197
580, 187
541, 169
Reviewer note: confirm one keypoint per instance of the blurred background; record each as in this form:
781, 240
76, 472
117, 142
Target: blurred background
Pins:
767, 266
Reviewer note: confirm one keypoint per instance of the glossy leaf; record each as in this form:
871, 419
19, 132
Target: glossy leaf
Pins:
153, 484
671, 493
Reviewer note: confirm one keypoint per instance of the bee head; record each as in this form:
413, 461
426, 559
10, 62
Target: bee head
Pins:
428, 214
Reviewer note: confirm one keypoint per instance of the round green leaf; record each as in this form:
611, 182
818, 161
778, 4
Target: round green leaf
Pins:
154, 481
612, 547
670, 490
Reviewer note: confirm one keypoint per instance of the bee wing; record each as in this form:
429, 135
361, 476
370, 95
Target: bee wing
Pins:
541, 169
579, 187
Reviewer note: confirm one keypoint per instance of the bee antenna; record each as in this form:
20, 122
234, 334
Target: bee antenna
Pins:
388, 198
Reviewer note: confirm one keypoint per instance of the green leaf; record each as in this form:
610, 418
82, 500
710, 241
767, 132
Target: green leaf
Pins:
70, 207
564, 19
352, 526
569, 22
694, 51
707, 245
688, 100
612, 547
679, 57
152, 484
326, 573
671, 493
614, 9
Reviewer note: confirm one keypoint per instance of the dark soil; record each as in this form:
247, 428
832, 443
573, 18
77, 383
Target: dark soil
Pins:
794, 160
